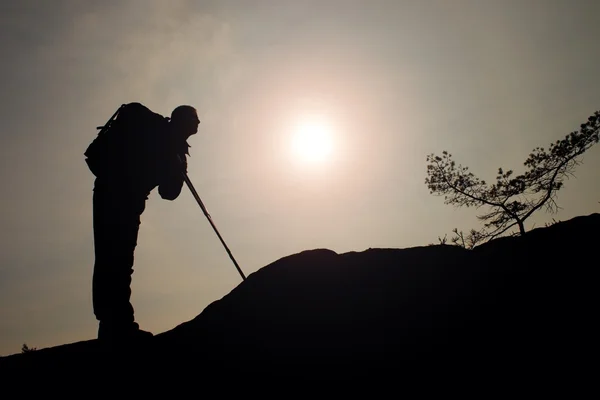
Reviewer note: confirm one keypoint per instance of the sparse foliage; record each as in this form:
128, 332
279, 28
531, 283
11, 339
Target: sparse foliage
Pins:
511, 199
472, 239
469, 241
27, 349
442, 240
554, 222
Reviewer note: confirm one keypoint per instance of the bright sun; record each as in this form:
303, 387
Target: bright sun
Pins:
312, 140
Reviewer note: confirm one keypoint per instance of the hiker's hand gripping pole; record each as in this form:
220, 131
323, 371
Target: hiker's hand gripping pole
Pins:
195, 194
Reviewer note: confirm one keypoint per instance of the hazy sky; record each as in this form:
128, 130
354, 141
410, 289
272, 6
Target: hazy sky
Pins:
394, 80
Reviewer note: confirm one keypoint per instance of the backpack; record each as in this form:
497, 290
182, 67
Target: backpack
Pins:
123, 139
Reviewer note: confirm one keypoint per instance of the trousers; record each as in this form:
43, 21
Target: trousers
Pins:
116, 221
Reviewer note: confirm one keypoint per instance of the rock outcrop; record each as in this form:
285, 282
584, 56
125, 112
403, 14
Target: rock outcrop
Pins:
526, 300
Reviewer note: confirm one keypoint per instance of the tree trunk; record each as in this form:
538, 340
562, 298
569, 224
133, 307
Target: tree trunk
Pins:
521, 226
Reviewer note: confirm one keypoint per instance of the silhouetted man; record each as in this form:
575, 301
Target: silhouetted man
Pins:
150, 155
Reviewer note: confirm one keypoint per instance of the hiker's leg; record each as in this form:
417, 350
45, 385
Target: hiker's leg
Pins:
116, 225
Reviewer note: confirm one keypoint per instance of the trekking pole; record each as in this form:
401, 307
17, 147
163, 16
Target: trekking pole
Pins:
195, 194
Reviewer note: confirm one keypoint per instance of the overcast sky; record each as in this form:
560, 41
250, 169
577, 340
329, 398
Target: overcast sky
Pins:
391, 81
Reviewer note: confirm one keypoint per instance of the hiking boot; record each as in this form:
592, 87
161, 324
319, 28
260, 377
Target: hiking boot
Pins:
123, 334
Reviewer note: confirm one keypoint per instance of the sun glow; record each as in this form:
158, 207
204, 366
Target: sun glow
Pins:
312, 140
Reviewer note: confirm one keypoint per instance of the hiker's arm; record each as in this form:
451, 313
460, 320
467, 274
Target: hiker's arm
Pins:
171, 182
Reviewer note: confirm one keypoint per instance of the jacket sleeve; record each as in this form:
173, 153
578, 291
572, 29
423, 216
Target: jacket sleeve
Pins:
171, 176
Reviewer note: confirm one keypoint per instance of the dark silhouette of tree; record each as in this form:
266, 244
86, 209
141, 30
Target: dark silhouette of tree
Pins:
512, 199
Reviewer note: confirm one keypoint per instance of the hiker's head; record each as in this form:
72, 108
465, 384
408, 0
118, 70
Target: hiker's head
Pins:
184, 120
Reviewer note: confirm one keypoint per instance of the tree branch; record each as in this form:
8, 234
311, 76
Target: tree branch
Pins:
472, 197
